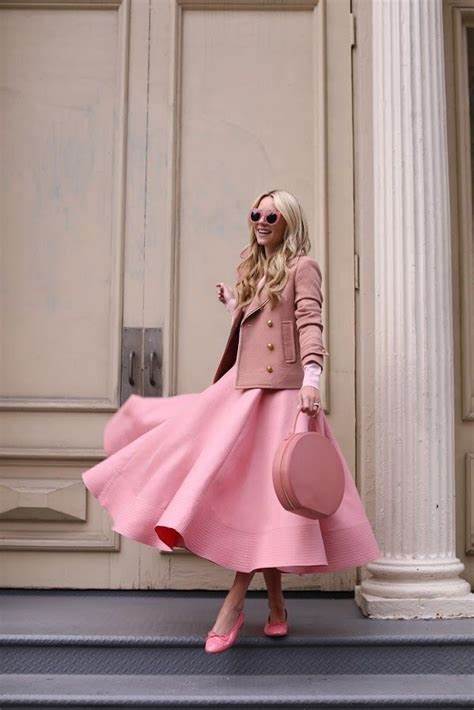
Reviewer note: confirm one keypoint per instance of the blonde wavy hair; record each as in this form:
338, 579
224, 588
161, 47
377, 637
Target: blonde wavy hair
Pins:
255, 264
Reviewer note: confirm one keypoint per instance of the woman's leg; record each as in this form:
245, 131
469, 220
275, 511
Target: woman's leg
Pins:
233, 603
276, 600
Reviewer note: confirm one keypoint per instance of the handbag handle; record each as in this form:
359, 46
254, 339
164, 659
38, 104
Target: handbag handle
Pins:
299, 410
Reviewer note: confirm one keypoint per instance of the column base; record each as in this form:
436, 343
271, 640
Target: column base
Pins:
461, 607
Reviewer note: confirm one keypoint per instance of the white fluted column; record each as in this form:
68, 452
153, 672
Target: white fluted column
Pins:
419, 573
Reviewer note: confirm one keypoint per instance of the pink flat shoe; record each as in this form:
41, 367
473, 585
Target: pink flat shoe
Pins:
215, 643
277, 628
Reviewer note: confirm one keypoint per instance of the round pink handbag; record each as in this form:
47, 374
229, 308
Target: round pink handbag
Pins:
308, 475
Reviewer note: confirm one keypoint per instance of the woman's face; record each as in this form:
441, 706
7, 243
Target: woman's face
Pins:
269, 235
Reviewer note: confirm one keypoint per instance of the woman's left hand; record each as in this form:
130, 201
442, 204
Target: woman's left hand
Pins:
310, 400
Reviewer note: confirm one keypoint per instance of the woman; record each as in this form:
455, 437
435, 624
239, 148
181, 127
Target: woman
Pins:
195, 470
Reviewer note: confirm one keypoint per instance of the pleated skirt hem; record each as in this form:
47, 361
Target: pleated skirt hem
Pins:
209, 538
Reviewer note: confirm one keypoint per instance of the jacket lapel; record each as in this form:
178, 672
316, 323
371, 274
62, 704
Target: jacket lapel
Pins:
256, 303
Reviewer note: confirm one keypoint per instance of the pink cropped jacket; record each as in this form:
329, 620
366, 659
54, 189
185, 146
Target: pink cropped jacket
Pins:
271, 346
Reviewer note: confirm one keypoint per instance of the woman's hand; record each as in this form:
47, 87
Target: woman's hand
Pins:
310, 400
224, 293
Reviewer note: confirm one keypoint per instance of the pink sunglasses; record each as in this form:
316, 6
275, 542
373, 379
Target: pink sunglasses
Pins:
270, 216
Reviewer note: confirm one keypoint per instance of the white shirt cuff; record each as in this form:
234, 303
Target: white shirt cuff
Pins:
230, 304
312, 372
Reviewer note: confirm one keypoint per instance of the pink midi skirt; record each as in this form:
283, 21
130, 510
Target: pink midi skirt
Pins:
195, 471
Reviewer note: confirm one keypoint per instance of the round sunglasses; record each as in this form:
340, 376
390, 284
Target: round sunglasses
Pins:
271, 216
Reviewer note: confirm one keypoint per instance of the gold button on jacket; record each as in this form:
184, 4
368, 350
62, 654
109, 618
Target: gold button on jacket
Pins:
296, 321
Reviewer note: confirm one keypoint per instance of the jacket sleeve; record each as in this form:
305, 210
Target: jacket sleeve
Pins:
308, 311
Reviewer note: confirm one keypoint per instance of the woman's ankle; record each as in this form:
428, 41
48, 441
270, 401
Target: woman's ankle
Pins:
277, 604
235, 600
236, 604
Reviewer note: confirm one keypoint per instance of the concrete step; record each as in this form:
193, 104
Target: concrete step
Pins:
328, 655
235, 691
143, 633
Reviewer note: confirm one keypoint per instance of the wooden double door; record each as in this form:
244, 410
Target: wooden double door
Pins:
135, 135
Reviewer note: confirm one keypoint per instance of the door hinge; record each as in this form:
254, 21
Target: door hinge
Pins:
356, 271
352, 29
